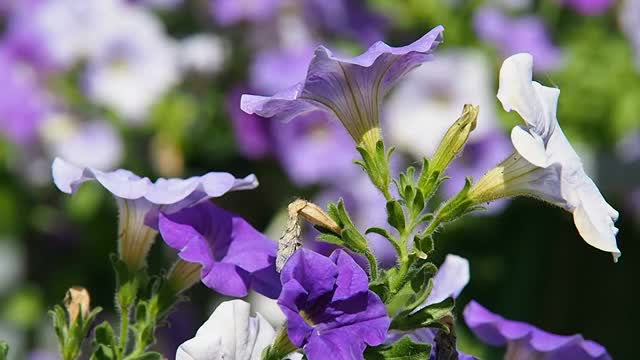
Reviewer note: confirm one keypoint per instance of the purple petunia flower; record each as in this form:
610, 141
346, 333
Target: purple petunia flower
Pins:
140, 200
23, 105
234, 256
348, 89
525, 341
329, 307
229, 12
346, 18
314, 149
590, 7
251, 132
279, 68
515, 35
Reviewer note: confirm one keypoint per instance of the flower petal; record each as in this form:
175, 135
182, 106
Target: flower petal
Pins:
351, 279
229, 333
530, 146
450, 279
495, 330
594, 219
234, 256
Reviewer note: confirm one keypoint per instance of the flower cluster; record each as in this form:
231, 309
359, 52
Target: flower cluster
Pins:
344, 304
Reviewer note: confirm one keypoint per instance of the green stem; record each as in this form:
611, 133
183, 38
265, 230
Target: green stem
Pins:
124, 329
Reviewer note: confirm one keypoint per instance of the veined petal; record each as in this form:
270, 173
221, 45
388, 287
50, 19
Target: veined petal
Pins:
173, 194
230, 333
525, 341
349, 89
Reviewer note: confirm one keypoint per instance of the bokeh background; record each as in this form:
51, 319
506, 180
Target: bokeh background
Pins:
154, 86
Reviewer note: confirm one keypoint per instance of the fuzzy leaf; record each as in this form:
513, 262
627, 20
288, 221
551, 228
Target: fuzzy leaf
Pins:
404, 349
395, 215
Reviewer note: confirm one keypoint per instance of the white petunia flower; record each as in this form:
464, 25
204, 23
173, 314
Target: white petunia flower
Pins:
230, 334
545, 164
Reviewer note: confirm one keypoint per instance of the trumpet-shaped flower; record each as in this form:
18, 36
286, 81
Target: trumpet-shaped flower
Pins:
329, 307
525, 341
234, 256
140, 200
230, 333
348, 89
545, 164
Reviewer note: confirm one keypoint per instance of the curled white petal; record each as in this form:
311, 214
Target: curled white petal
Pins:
543, 144
230, 334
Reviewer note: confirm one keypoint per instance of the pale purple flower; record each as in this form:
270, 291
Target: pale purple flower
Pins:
234, 256
229, 12
525, 341
348, 89
203, 53
279, 68
515, 35
131, 73
140, 200
329, 306
252, 132
590, 7
42, 355
314, 149
23, 104
346, 18
158, 4
430, 99
95, 143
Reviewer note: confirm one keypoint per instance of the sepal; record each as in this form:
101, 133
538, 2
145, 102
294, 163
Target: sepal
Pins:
429, 316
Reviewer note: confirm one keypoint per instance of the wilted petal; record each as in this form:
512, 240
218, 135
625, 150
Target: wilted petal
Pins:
525, 341
230, 333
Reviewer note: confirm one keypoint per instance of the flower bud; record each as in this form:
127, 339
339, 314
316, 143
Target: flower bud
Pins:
77, 302
183, 275
455, 138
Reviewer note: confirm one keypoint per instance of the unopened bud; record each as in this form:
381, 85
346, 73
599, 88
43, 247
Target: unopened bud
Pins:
455, 138
183, 275
77, 302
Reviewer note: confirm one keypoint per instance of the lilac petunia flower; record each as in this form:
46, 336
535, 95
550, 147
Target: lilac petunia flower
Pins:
140, 200
348, 89
329, 306
229, 12
304, 147
525, 341
279, 68
251, 132
234, 256
590, 7
23, 105
515, 35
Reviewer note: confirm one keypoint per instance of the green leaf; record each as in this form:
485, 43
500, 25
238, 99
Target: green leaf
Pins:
380, 231
404, 349
424, 243
146, 356
429, 316
330, 238
353, 240
4, 349
395, 215
103, 352
104, 335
